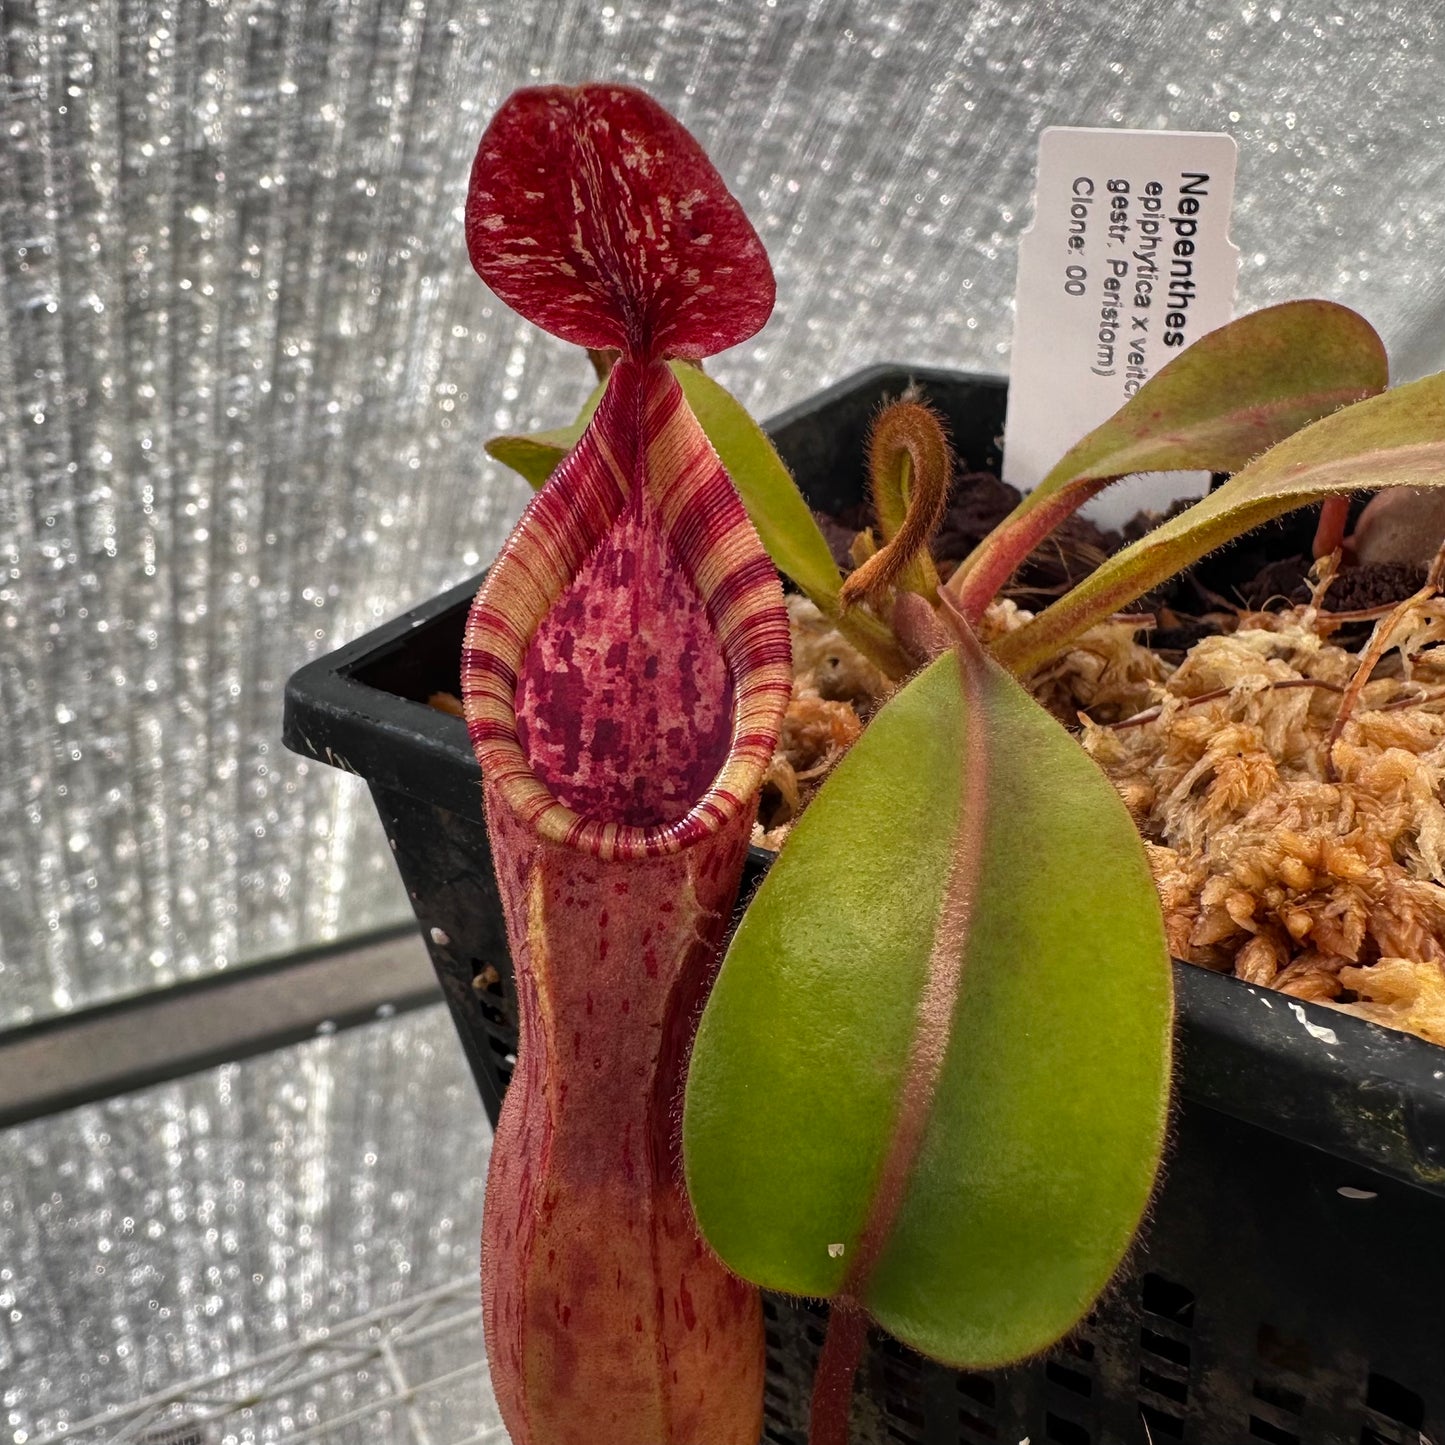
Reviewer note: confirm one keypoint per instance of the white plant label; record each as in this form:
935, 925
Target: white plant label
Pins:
1128, 260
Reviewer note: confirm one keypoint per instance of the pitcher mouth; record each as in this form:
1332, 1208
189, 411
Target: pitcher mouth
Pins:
493, 730
712, 540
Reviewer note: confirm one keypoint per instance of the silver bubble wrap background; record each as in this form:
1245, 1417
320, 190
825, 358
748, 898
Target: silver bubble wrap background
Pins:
246, 371
189, 1230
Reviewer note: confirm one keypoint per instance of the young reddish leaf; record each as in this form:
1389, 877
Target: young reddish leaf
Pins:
961, 1032
598, 217
1221, 402
1330, 531
1394, 440
624, 678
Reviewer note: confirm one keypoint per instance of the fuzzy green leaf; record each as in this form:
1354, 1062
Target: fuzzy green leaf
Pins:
1220, 403
1393, 440
777, 509
933, 1074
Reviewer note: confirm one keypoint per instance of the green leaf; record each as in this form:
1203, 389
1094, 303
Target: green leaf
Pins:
941, 1036
1394, 440
769, 493
536, 455
777, 509
1221, 402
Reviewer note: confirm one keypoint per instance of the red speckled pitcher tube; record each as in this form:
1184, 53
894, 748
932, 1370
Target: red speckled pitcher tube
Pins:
606, 1318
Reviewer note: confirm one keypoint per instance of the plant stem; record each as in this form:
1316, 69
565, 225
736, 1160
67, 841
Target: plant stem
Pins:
837, 1366
874, 639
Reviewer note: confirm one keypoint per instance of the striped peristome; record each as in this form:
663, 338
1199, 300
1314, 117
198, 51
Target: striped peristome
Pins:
707, 530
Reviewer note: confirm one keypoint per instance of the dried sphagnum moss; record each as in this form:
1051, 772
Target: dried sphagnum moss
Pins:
1326, 883
835, 689
1106, 671
1314, 870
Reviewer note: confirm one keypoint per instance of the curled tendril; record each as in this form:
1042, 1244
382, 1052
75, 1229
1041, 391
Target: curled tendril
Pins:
910, 466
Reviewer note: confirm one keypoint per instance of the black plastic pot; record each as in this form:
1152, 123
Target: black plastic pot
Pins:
1290, 1285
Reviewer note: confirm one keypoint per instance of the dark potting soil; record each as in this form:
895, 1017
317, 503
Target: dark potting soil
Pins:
1266, 569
